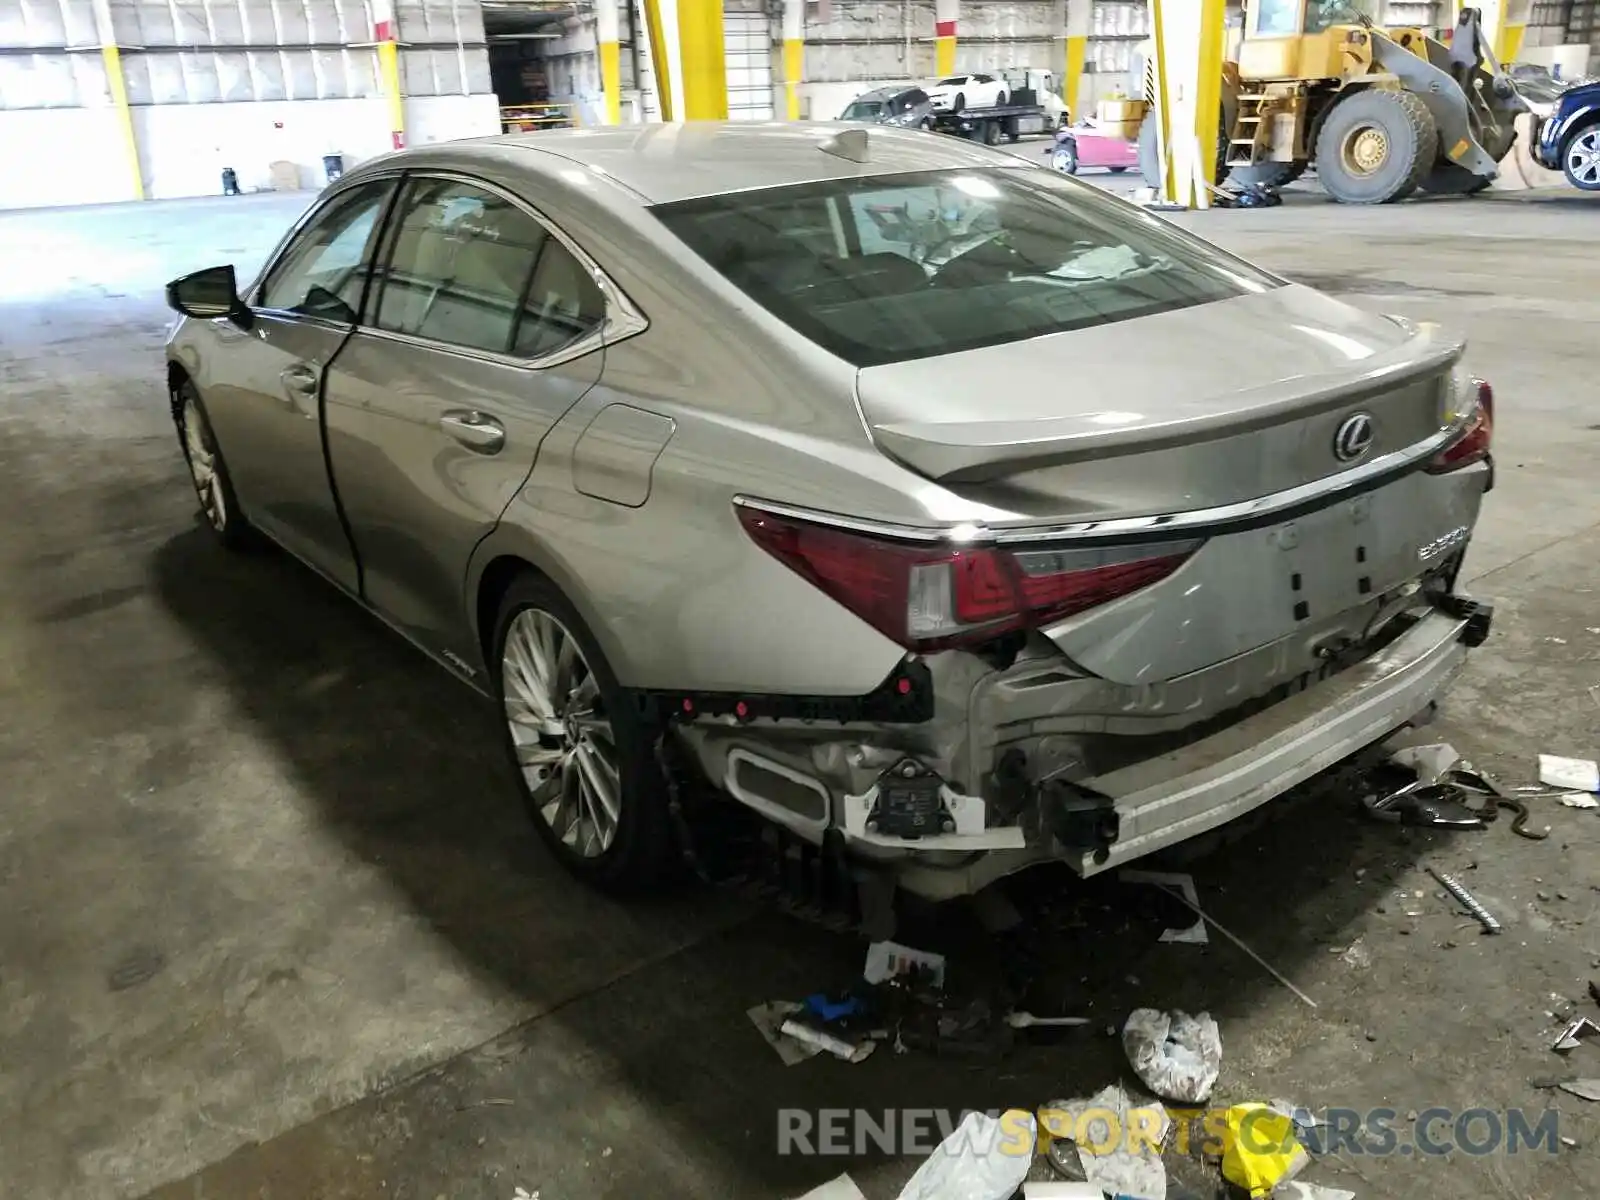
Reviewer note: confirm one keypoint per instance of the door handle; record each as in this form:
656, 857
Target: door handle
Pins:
299, 378
475, 431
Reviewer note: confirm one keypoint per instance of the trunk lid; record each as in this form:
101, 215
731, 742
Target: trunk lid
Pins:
1206, 407
1195, 408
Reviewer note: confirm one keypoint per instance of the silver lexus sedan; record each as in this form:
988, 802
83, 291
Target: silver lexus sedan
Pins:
933, 505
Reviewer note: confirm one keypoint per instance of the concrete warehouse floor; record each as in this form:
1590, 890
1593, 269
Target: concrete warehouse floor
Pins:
273, 925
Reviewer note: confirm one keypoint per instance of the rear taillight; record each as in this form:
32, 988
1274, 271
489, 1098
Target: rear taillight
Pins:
1473, 443
940, 595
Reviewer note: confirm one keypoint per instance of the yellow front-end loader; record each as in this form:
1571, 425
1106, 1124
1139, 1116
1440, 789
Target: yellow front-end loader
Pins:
1378, 112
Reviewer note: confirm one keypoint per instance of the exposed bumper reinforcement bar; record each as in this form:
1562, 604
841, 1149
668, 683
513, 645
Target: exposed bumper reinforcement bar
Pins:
1177, 796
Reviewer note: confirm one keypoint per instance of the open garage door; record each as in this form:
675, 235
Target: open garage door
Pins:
747, 39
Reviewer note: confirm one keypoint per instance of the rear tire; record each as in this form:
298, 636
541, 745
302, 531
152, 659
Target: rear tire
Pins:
584, 756
1580, 159
991, 133
1376, 147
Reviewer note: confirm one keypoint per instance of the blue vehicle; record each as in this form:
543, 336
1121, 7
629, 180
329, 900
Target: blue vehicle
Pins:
1568, 140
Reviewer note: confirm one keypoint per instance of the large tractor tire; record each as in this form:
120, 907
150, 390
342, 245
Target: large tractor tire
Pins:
1150, 158
1376, 147
1269, 174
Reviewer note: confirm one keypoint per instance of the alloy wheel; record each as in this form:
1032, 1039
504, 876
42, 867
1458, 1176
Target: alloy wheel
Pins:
203, 466
1583, 157
565, 745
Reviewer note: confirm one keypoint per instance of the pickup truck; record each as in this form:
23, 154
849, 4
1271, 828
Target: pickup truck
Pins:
1023, 114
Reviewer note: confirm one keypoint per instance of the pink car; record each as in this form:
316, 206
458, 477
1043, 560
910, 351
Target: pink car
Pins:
1088, 146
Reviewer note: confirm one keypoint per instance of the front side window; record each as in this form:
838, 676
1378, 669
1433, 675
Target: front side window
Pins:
460, 265
323, 270
1277, 17
885, 269
953, 81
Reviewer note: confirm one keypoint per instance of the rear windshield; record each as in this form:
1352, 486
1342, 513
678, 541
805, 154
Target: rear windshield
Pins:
889, 268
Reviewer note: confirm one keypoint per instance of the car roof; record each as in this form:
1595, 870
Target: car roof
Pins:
662, 163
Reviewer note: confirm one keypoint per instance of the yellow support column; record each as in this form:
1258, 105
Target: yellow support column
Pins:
1208, 96
703, 59
945, 15
794, 53
1078, 14
387, 34
1189, 38
111, 58
606, 31
655, 25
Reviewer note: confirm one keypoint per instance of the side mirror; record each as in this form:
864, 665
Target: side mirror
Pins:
208, 294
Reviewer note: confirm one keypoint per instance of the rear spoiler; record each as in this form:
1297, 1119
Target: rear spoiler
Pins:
975, 451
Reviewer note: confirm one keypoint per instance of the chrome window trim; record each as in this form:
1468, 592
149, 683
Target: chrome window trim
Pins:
623, 318
1192, 521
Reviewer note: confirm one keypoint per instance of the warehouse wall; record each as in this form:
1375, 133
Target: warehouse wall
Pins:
222, 83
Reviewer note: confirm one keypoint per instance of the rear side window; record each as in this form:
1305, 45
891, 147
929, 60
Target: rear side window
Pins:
884, 269
469, 268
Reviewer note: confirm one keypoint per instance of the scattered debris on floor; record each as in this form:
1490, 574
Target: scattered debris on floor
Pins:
842, 1188
1466, 899
1579, 800
1294, 1189
768, 1020
1570, 774
1175, 1055
1109, 1158
888, 960
984, 1158
1574, 1034
1194, 935
1584, 1089
1260, 1149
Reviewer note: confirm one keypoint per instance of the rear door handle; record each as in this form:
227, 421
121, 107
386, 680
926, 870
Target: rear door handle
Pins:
475, 431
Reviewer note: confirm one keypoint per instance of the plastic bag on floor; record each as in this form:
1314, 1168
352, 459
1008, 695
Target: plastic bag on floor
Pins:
1177, 1056
1118, 1142
1259, 1149
984, 1158
1295, 1190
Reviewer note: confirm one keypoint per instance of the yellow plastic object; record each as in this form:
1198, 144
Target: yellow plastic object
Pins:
1259, 1149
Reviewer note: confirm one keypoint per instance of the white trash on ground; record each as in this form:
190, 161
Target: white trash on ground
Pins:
1123, 1159
842, 1188
1579, 774
984, 1158
1295, 1189
1178, 1057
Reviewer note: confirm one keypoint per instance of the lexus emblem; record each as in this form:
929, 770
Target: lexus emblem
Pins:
1353, 438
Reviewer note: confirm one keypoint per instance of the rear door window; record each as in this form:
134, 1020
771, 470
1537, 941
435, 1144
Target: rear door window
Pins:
468, 267
885, 269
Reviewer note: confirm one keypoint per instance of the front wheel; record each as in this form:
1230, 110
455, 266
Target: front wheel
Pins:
1580, 161
1000, 99
959, 102
1376, 147
1065, 158
584, 755
208, 472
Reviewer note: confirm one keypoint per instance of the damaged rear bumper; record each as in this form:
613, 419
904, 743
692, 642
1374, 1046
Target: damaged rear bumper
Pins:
1176, 796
